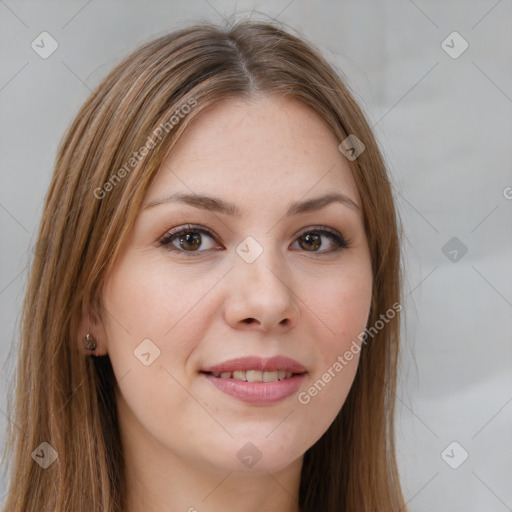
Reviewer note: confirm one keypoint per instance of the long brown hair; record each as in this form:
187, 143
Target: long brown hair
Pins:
65, 398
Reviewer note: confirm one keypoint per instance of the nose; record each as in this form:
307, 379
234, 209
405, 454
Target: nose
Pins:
261, 296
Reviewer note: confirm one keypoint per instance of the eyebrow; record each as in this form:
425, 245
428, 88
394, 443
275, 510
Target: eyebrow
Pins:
218, 205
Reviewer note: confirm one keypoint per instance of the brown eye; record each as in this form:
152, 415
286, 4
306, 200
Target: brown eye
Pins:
188, 240
312, 240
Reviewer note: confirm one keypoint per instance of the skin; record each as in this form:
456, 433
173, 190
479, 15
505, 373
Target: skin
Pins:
180, 434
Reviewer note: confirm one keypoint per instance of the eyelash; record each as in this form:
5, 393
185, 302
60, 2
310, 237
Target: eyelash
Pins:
168, 238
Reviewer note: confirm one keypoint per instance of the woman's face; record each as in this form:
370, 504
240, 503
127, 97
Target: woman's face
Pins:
266, 280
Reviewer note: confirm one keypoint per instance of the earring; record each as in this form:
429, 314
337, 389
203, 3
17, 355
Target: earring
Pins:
90, 342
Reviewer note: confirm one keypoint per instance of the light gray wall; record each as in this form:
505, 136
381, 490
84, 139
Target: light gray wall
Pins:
445, 126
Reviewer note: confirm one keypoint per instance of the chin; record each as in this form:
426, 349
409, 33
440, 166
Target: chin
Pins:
251, 455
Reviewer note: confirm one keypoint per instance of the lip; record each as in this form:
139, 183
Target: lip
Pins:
269, 364
257, 393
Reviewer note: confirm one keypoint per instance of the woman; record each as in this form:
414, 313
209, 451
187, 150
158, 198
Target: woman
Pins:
212, 316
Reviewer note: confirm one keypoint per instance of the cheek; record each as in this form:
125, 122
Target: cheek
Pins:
150, 335
150, 301
343, 304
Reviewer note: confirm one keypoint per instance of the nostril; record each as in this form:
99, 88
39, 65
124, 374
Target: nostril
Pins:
249, 320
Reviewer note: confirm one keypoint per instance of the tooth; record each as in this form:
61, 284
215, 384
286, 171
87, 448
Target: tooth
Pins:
270, 376
254, 375
239, 375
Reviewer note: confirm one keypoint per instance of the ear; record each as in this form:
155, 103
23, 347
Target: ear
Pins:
90, 322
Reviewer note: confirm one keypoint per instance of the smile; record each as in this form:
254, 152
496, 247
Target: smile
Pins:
255, 375
256, 380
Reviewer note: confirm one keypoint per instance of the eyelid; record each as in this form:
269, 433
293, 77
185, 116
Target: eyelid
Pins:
319, 229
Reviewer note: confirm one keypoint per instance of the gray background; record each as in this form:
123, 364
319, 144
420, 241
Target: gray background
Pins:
445, 126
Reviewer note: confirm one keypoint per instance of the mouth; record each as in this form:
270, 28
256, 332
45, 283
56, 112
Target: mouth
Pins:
255, 375
256, 380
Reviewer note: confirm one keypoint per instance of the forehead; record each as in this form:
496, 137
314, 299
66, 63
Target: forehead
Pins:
266, 147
